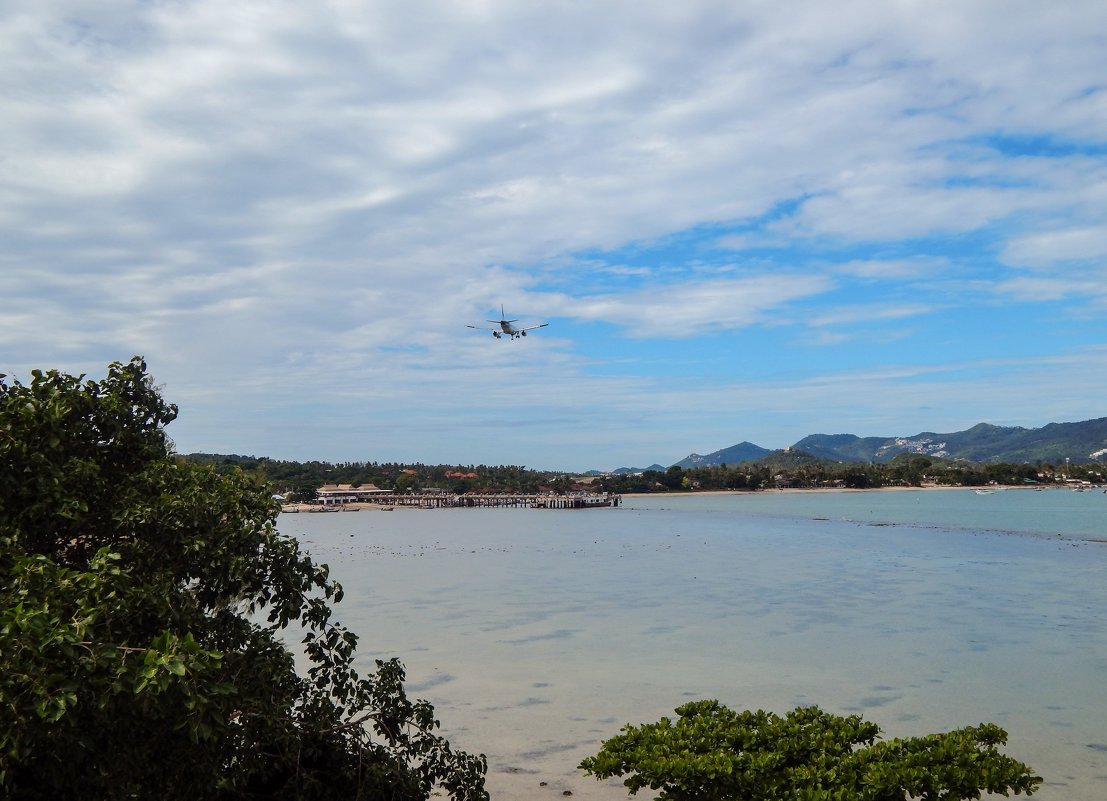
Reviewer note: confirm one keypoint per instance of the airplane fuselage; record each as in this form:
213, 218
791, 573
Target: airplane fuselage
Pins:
508, 329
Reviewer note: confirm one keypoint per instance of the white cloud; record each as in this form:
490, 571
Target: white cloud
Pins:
893, 269
1049, 248
867, 314
692, 309
1031, 288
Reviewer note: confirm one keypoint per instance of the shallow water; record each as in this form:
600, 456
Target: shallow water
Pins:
539, 633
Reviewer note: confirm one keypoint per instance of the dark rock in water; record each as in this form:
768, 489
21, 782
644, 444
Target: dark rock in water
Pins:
1098, 746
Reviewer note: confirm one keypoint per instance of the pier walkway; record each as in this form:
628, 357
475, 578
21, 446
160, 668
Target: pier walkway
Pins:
447, 501
466, 501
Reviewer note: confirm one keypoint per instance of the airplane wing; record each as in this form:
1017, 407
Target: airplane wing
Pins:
532, 327
482, 328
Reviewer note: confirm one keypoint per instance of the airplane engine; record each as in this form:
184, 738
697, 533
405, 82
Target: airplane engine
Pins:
496, 334
524, 333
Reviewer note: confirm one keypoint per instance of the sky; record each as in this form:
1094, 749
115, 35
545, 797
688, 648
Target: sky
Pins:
743, 221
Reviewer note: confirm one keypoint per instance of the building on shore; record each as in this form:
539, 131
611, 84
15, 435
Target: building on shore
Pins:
339, 494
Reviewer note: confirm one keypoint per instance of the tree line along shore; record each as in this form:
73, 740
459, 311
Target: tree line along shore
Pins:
299, 481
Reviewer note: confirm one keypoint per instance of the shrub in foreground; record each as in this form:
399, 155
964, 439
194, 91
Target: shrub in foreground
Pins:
711, 753
142, 603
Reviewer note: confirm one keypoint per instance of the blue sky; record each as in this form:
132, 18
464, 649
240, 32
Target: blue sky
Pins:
743, 221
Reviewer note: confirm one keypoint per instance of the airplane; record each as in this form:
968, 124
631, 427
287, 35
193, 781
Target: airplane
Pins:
506, 328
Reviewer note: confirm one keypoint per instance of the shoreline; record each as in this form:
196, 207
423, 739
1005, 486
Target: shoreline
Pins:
357, 506
828, 490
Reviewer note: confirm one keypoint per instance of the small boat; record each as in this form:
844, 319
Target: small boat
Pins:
984, 492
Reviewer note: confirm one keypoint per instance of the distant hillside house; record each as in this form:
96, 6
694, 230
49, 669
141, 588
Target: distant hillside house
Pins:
334, 494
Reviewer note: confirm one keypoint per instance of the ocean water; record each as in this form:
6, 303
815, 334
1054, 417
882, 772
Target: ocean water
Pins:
539, 633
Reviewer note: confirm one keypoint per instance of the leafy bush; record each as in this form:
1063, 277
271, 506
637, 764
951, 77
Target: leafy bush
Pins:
712, 753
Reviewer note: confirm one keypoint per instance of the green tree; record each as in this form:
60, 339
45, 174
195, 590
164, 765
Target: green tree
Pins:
908, 468
304, 491
142, 605
712, 753
673, 477
862, 476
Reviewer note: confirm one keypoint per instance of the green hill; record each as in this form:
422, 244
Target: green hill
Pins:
735, 454
984, 443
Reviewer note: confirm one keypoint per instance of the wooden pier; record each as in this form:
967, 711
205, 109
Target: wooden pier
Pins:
575, 501
471, 501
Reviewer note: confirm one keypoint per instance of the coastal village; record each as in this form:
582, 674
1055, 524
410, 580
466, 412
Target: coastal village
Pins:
350, 497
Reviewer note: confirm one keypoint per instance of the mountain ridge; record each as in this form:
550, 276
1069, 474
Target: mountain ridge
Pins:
1083, 441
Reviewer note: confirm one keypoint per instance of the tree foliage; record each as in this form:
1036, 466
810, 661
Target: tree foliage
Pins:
792, 468
142, 605
287, 476
711, 753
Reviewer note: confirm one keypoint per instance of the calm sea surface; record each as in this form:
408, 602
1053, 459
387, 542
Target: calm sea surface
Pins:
539, 633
